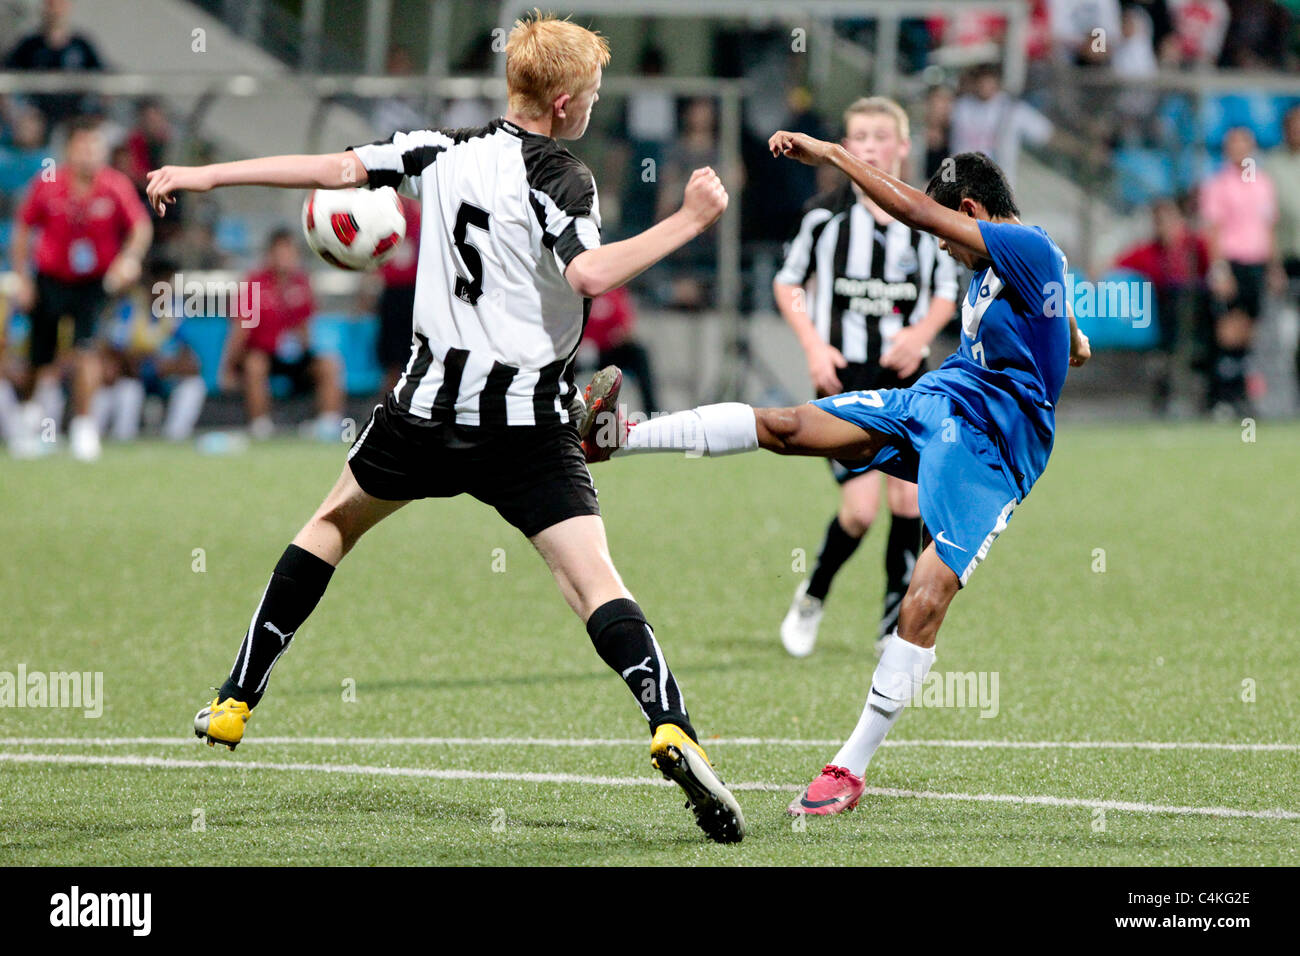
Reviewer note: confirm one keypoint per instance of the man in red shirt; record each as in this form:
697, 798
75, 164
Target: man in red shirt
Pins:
93, 233
610, 324
273, 340
397, 300
1176, 260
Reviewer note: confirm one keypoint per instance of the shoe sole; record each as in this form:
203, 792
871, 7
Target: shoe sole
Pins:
601, 393
716, 811
797, 810
213, 741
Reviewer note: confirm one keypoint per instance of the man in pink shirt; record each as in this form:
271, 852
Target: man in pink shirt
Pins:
1239, 209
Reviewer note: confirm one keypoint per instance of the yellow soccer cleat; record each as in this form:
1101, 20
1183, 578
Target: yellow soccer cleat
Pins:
684, 762
222, 722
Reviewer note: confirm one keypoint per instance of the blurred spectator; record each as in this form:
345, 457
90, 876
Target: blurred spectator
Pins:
938, 128
55, 47
989, 120
1200, 26
1176, 261
397, 300
21, 159
147, 354
774, 192
692, 265
1134, 61
1162, 21
146, 143
647, 130
1257, 35
1083, 31
94, 232
276, 342
1239, 209
1283, 164
403, 112
610, 329
197, 247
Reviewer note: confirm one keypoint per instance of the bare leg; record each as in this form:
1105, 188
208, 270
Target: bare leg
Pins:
342, 518
87, 376
904, 664
809, 430
257, 384
578, 555
327, 376
933, 587
299, 582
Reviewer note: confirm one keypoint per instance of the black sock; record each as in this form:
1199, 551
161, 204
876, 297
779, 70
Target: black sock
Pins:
900, 558
837, 548
296, 585
626, 643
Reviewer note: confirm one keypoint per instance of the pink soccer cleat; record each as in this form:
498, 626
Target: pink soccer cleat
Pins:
836, 790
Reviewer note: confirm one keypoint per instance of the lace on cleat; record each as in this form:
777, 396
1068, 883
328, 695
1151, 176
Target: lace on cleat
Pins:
601, 399
684, 762
222, 722
836, 790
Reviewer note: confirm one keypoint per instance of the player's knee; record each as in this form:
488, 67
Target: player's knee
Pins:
927, 600
856, 517
902, 499
784, 428
776, 427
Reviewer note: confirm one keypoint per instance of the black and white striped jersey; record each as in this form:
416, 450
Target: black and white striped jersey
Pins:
496, 325
868, 280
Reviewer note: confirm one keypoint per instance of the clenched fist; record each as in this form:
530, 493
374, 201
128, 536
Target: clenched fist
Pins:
706, 197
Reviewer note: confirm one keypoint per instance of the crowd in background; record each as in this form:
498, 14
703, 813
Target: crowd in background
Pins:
1221, 244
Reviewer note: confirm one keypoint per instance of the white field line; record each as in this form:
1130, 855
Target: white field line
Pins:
584, 779
1150, 745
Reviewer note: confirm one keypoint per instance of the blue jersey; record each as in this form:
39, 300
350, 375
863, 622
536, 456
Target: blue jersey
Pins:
1015, 351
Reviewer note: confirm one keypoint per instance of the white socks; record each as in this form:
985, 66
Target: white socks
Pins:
900, 673
712, 430
183, 408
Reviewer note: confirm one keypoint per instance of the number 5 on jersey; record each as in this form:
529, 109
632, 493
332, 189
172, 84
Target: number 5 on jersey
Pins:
468, 215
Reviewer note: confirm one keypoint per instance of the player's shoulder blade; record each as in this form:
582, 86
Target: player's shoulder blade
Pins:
553, 170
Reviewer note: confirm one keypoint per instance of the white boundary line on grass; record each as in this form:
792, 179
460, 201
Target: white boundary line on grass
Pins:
1154, 745
525, 777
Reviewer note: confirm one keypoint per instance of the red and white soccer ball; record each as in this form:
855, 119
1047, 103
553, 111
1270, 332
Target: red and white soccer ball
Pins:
354, 229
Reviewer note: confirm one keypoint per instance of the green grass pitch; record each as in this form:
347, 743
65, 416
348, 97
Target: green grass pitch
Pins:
448, 626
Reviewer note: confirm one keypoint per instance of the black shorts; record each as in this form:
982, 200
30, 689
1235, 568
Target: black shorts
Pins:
535, 476
55, 298
393, 346
298, 371
1249, 280
862, 376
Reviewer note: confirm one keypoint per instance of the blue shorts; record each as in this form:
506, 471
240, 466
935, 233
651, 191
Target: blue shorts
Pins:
966, 491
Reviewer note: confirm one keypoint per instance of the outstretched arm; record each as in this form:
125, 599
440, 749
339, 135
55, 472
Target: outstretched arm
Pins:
905, 203
597, 271
322, 171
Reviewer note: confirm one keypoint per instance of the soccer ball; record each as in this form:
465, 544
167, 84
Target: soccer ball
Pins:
353, 229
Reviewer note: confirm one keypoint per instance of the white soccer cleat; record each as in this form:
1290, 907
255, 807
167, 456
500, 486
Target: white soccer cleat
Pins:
799, 629
83, 436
